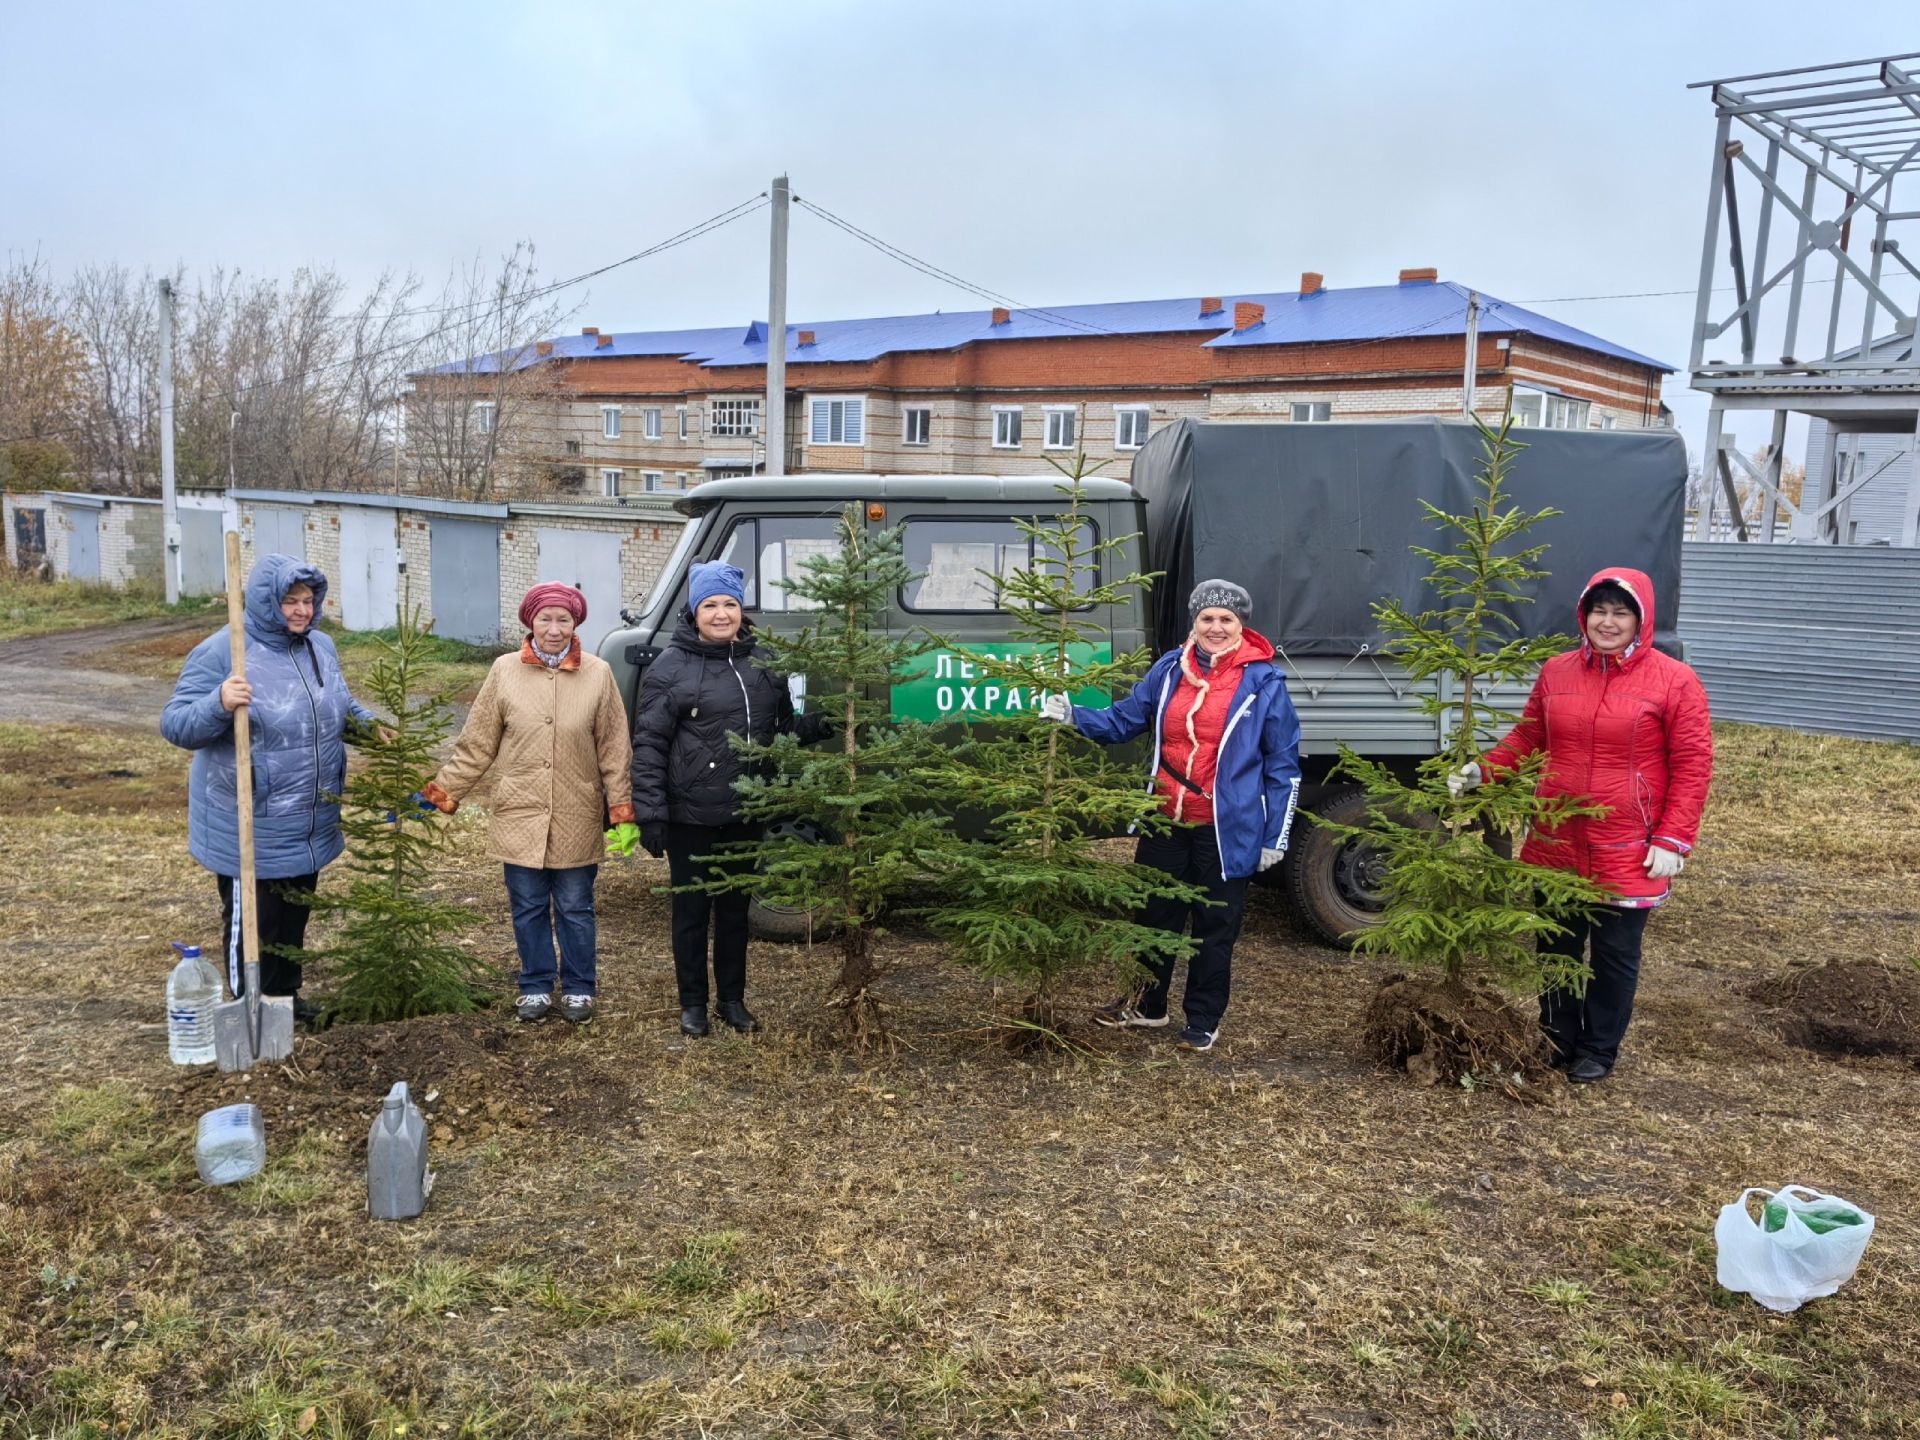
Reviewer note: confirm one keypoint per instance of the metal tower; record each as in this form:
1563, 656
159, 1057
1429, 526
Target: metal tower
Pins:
1807, 300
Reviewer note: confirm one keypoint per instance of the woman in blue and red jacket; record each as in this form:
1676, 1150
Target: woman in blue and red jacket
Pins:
1627, 728
1226, 765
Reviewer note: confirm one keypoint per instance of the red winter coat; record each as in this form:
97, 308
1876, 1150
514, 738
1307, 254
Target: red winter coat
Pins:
1632, 734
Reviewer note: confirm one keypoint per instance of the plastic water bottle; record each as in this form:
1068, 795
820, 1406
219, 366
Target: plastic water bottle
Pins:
193, 989
397, 1177
231, 1145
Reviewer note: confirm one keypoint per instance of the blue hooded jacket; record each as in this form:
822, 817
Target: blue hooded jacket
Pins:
1256, 787
299, 715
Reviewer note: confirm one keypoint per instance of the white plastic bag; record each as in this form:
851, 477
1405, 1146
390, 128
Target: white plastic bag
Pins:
1785, 1268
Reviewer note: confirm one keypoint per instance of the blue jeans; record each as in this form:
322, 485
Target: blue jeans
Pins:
546, 903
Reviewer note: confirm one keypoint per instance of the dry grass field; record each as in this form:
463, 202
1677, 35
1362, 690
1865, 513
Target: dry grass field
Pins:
638, 1235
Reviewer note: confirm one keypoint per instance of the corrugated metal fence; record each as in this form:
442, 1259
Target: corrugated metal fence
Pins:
1812, 637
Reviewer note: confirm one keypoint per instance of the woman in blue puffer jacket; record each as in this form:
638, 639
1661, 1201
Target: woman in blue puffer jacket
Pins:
301, 711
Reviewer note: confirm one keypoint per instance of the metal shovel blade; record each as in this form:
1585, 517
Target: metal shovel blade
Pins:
244, 1033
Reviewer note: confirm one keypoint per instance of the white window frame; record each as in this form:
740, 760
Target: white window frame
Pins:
907, 412
609, 422
724, 412
650, 422
1140, 429
483, 416
1310, 407
653, 480
852, 415
610, 480
680, 413
1552, 402
1019, 427
685, 480
1049, 414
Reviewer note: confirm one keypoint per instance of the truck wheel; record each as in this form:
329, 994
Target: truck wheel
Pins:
766, 921
1336, 884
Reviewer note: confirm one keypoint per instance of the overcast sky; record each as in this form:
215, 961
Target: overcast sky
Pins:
1053, 150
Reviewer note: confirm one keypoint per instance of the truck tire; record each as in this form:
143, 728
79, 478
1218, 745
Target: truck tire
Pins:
1333, 882
778, 923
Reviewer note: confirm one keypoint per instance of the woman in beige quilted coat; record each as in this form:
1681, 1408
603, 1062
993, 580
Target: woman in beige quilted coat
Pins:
549, 722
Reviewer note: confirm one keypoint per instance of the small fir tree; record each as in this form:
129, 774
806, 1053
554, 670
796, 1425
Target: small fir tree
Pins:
851, 825
1038, 898
390, 959
1457, 903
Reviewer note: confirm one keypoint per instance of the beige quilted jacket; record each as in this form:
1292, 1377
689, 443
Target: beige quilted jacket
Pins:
558, 740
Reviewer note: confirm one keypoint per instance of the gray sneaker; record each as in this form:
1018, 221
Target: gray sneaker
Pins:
533, 1007
576, 1009
1124, 1014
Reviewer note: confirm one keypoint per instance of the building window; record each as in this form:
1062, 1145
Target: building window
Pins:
650, 422
838, 422
684, 479
733, 417
610, 483
651, 480
573, 447
483, 417
1130, 425
1006, 429
916, 426
610, 422
1311, 411
1548, 410
680, 414
1062, 427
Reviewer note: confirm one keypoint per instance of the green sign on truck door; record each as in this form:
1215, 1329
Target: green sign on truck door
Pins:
948, 684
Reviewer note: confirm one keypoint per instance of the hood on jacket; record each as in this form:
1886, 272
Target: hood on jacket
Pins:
1636, 584
267, 586
686, 636
1253, 648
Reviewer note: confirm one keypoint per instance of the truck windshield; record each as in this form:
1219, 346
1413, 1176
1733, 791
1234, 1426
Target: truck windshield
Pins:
669, 575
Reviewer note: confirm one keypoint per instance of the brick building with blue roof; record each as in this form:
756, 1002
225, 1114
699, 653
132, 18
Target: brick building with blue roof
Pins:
1000, 391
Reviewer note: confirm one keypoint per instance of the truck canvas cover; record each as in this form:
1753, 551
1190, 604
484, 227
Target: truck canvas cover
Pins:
1316, 520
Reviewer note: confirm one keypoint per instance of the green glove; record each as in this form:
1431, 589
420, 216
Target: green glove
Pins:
622, 838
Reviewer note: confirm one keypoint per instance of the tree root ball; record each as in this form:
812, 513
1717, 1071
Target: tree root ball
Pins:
1444, 1032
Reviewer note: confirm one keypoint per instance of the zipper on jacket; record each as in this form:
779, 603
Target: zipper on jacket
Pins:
1219, 763
313, 802
745, 698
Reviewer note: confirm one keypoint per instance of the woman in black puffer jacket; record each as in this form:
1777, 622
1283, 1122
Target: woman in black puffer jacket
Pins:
705, 688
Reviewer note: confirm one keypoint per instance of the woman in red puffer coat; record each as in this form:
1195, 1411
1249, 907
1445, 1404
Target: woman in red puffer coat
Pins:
1627, 728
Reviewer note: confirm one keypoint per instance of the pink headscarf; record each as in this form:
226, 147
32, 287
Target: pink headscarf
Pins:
552, 593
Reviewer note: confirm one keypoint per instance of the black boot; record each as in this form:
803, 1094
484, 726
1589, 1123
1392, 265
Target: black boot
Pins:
737, 1016
693, 1020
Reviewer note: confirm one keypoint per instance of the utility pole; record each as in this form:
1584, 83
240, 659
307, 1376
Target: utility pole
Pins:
169, 506
775, 428
1473, 352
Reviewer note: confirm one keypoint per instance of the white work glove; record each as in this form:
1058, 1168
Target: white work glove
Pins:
1662, 863
1058, 709
1271, 858
1467, 777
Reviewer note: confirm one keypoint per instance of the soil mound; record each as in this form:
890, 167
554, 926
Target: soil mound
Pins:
1443, 1032
1847, 1007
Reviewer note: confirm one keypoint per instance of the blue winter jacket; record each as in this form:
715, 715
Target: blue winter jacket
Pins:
299, 712
1257, 785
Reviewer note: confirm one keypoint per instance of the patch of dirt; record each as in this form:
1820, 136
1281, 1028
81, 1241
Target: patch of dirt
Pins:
1847, 1007
1442, 1032
69, 647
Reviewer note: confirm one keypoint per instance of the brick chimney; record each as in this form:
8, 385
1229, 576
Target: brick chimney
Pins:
591, 330
1428, 276
1247, 314
543, 349
1001, 316
601, 342
806, 338
1310, 283
1210, 305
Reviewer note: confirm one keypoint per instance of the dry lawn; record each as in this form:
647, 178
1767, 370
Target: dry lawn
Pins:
637, 1235
40, 607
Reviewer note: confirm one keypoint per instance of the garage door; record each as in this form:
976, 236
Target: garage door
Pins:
83, 542
466, 580
590, 562
278, 530
203, 559
369, 578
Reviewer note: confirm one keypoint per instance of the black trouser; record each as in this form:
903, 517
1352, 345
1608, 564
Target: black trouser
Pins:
727, 911
1192, 853
280, 917
1591, 1027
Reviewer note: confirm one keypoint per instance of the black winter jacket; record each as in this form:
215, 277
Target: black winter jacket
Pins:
691, 699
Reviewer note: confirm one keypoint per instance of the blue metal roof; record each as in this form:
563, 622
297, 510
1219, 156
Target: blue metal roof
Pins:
1366, 312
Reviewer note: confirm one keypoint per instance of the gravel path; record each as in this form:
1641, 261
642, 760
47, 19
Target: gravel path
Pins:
46, 679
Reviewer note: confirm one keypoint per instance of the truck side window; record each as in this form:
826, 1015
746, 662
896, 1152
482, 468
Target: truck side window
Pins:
770, 550
961, 562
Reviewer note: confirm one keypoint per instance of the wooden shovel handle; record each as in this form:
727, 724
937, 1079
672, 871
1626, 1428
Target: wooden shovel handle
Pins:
243, 769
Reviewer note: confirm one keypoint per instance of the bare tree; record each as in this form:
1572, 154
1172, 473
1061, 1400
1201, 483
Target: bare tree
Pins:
117, 433
42, 378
